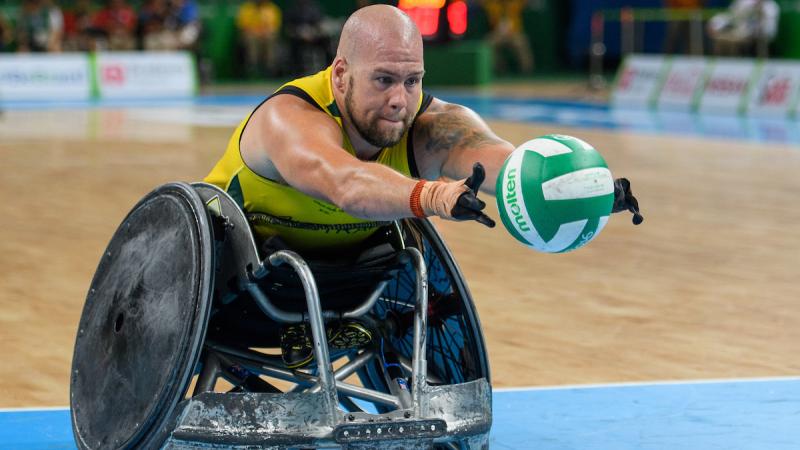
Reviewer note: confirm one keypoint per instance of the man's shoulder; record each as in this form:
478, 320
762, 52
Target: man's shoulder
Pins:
285, 112
287, 105
445, 126
293, 99
437, 110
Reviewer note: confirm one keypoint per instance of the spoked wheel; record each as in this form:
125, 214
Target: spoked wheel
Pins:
455, 348
143, 323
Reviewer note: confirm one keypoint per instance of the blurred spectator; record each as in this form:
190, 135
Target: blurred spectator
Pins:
746, 28
40, 27
309, 42
183, 21
679, 31
6, 33
169, 25
80, 33
117, 21
259, 23
505, 22
151, 33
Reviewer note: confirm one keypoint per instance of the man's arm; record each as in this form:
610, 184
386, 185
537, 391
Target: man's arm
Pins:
287, 139
449, 139
304, 146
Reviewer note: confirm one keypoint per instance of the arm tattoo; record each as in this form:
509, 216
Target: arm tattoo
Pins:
450, 129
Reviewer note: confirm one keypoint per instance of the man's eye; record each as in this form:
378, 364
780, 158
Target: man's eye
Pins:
412, 81
384, 80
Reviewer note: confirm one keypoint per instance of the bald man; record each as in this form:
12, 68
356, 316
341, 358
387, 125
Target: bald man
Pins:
328, 159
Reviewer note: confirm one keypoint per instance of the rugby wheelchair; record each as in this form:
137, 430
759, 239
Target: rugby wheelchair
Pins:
176, 344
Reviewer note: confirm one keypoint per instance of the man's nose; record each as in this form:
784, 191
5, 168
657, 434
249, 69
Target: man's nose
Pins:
397, 97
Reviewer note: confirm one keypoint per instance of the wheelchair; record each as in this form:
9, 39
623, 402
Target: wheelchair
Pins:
176, 345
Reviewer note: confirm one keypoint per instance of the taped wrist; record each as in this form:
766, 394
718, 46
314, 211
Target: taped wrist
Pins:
437, 198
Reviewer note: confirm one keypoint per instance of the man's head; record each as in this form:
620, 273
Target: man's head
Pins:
378, 72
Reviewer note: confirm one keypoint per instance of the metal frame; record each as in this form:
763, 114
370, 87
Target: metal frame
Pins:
419, 415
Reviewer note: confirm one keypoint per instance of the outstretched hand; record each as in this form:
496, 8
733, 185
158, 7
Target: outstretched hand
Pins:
469, 206
625, 201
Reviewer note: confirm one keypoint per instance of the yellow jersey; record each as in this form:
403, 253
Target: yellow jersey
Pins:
265, 18
274, 208
507, 10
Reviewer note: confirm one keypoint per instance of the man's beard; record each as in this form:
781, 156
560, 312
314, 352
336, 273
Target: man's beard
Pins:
370, 131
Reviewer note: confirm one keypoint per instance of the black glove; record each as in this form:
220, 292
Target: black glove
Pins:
469, 206
625, 201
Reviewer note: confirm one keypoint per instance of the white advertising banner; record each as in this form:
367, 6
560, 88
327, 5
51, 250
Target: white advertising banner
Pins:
726, 86
44, 77
775, 90
638, 81
683, 84
145, 75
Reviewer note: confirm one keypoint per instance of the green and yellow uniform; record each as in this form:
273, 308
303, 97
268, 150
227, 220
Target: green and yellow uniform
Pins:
275, 208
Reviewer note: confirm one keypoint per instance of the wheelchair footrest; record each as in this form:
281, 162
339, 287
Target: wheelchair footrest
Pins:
252, 419
450, 413
389, 430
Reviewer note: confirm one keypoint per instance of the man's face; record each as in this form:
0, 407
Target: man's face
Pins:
382, 97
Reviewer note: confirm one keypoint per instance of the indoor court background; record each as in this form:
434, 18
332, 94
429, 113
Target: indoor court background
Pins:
683, 332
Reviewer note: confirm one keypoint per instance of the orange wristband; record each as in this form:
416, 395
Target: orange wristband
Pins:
416, 206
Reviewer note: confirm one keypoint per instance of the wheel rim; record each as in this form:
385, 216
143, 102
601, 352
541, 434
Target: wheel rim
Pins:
143, 322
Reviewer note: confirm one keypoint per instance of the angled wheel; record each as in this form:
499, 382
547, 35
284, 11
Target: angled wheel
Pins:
143, 322
455, 348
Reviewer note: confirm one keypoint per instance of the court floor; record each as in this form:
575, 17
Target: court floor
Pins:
705, 289
712, 415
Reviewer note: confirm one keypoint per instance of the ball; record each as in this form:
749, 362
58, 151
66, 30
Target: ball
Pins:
555, 193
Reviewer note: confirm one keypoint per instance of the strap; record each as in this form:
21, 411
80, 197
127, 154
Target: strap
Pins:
297, 92
261, 218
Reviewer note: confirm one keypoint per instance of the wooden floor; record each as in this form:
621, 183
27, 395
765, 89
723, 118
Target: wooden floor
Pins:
707, 287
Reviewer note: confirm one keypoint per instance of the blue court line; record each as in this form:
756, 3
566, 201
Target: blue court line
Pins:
758, 414
36, 429
524, 110
729, 415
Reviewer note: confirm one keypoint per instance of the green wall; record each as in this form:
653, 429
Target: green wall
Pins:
787, 42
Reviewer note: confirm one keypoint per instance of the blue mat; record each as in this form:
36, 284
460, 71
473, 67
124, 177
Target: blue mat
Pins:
729, 415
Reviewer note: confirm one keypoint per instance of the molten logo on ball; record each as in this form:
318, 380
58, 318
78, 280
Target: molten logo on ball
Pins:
511, 200
555, 193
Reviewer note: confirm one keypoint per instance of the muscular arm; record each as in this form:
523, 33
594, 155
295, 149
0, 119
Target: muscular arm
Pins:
280, 143
449, 139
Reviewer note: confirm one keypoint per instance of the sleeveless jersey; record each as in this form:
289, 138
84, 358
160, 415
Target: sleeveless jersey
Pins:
302, 221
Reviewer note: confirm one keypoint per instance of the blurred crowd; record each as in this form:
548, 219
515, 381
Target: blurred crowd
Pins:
301, 37
86, 25
744, 28
271, 41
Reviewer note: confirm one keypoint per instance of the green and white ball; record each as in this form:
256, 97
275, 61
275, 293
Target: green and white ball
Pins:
555, 193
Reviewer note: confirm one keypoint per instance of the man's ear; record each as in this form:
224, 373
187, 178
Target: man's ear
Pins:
338, 72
